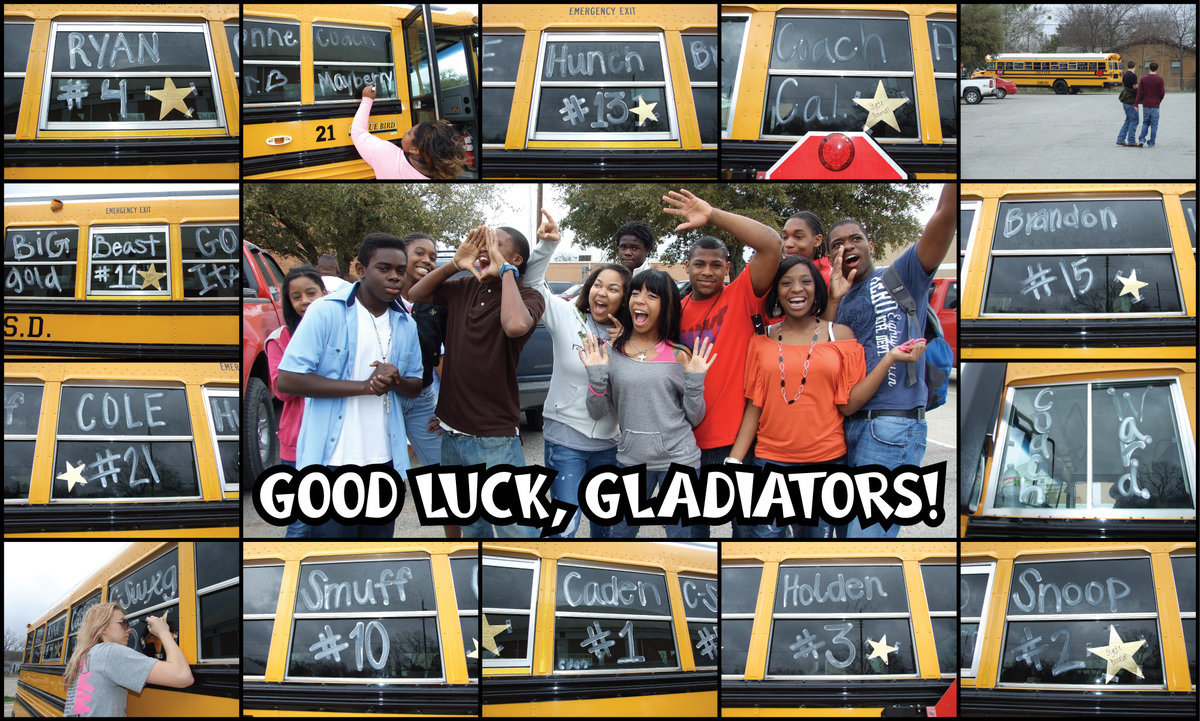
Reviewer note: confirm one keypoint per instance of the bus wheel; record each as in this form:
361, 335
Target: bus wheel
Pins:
1060, 87
1074, 91
260, 442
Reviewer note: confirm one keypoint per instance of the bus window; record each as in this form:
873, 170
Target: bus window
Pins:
975, 588
739, 598
511, 592
1183, 569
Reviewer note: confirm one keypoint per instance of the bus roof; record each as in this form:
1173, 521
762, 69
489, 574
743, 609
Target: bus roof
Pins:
1039, 56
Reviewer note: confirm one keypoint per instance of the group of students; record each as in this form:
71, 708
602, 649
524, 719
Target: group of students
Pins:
641, 375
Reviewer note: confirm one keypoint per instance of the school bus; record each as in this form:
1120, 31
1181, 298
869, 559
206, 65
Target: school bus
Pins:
364, 628
826, 73
600, 630
1065, 72
194, 584
600, 91
139, 92
121, 450
1074, 450
1071, 271
144, 272
837, 628
306, 65
1097, 629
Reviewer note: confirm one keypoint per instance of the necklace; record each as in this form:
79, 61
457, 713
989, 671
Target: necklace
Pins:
642, 353
804, 379
383, 352
704, 320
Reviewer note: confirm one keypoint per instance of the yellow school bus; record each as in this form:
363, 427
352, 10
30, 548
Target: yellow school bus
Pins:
136, 92
121, 450
305, 67
1064, 72
1099, 629
365, 628
792, 73
145, 272
600, 91
1078, 450
599, 630
1071, 271
837, 628
194, 584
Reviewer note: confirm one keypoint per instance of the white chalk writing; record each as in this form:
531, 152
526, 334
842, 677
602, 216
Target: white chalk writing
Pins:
1093, 593
328, 596
1055, 219
842, 590
76, 49
585, 63
609, 593
790, 46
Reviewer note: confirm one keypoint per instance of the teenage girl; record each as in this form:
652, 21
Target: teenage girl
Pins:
428, 151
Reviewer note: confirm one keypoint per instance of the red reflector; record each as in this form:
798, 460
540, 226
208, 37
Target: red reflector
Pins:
836, 152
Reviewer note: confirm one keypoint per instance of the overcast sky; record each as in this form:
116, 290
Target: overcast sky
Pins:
39, 574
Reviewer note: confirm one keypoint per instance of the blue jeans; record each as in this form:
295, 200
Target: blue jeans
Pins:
1149, 125
488, 451
296, 529
623, 530
1130, 126
888, 441
823, 529
572, 466
417, 412
337, 529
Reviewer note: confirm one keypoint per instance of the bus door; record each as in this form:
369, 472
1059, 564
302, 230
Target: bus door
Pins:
441, 83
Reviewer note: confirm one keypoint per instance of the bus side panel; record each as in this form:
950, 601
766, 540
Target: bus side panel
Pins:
701, 703
39, 693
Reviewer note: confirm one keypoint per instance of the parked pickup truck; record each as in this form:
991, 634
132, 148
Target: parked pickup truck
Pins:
973, 90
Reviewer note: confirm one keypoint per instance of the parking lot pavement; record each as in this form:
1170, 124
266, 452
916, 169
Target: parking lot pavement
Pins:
1050, 137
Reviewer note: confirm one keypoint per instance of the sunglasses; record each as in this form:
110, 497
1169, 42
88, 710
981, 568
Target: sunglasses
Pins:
124, 623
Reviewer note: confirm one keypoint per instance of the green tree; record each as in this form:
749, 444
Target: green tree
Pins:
306, 220
597, 210
980, 33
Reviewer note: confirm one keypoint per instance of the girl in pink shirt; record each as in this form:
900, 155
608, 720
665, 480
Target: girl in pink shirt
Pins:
430, 150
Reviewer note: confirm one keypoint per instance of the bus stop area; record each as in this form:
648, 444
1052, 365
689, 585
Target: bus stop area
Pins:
1046, 137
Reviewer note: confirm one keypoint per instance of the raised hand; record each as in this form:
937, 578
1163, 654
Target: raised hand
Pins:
495, 257
369, 92
839, 285
592, 353
468, 251
702, 357
548, 230
693, 210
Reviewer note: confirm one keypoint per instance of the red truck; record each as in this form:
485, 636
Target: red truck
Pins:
262, 313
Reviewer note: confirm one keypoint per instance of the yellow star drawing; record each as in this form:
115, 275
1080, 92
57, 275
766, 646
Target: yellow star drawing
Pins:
151, 276
171, 98
1119, 655
491, 631
643, 111
73, 475
881, 107
1131, 285
881, 649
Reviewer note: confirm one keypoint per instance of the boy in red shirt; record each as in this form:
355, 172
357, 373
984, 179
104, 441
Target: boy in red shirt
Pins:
1150, 92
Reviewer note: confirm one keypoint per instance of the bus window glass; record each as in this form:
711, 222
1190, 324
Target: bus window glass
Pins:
372, 620
739, 597
733, 43
224, 421
76, 620
465, 572
700, 610
611, 618
841, 621
1073, 623
509, 595
139, 75
501, 61
347, 59
40, 262
818, 65
124, 443
939, 581
701, 53
233, 36
56, 630
151, 589
611, 85
217, 565
1189, 217
22, 408
1137, 459
974, 588
272, 62
943, 43
129, 261
38, 637
17, 41
1184, 571
260, 597
210, 260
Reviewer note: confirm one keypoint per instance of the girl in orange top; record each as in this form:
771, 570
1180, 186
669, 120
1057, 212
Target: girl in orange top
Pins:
803, 377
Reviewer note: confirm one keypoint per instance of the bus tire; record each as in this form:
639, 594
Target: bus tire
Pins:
1001, 93
260, 442
1060, 86
1075, 91
972, 96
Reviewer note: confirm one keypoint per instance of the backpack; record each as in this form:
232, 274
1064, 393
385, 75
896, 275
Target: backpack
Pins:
938, 357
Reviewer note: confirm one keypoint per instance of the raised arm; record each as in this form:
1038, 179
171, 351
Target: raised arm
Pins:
533, 275
762, 239
175, 671
376, 151
464, 259
935, 241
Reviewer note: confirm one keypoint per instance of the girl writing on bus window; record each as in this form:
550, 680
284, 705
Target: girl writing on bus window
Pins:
802, 378
430, 150
301, 287
103, 669
655, 386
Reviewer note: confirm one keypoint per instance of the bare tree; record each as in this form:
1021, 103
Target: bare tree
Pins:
1176, 23
1023, 27
1096, 28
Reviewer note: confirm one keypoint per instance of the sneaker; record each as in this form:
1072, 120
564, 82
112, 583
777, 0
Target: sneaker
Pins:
1135, 145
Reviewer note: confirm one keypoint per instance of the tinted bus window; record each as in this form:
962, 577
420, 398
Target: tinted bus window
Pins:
22, 409
260, 596
509, 596
700, 603
152, 588
739, 597
40, 262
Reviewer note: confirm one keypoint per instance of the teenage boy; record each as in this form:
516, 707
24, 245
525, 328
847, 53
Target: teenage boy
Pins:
635, 243
491, 317
1150, 93
356, 348
890, 428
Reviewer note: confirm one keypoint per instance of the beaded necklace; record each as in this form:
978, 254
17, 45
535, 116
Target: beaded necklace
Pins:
807, 360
